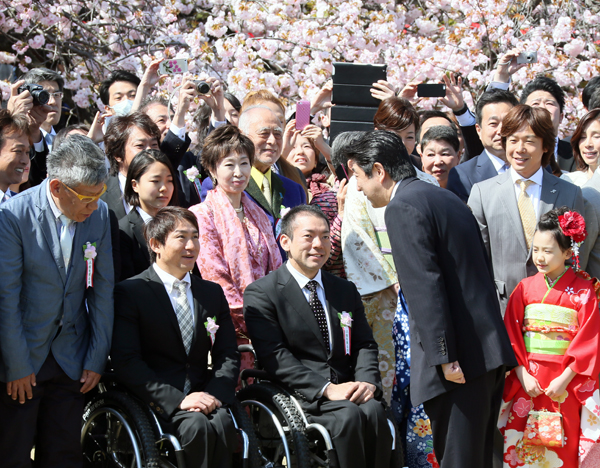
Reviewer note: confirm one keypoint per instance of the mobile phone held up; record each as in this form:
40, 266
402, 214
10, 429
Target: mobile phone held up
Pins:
173, 66
431, 90
341, 173
527, 57
302, 114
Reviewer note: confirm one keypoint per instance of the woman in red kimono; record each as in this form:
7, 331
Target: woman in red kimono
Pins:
554, 326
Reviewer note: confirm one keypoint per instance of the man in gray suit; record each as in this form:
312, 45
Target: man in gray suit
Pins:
56, 306
590, 251
508, 206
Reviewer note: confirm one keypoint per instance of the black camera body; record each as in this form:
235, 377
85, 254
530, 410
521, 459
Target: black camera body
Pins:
202, 87
38, 93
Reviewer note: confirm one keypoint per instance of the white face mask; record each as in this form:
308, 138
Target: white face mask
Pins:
123, 107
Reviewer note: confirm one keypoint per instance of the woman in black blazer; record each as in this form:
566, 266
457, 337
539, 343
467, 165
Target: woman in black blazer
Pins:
149, 187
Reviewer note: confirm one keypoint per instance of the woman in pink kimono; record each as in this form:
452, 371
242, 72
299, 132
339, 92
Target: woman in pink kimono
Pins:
237, 245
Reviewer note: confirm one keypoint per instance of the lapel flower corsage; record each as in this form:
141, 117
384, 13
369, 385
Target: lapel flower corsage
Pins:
193, 175
346, 324
211, 328
89, 254
282, 212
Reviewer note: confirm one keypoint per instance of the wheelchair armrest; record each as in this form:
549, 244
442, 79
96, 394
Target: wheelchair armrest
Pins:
246, 348
256, 373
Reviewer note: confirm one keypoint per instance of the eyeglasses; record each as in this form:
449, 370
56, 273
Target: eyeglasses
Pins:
57, 95
86, 198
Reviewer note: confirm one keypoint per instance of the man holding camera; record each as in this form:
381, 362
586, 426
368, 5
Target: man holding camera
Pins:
38, 94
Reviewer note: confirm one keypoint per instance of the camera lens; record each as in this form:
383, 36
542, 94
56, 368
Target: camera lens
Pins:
42, 96
202, 87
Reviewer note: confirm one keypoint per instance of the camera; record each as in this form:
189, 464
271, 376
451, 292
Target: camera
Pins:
38, 93
202, 87
527, 57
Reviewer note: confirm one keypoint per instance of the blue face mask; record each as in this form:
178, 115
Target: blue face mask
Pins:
123, 107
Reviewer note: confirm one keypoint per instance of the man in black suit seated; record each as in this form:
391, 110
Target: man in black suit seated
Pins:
459, 345
310, 334
491, 108
166, 323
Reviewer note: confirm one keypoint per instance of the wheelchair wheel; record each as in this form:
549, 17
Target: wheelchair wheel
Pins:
116, 433
245, 424
278, 426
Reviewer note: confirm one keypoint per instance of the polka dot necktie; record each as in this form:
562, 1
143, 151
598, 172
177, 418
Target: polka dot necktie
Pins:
317, 308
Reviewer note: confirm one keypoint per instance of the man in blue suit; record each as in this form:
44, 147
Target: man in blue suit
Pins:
14, 151
491, 109
56, 306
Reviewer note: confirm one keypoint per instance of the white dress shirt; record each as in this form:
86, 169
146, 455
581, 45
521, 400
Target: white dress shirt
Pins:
302, 282
145, 216
168, 280
499, 165
178, 132
122, 182
48, 136
534, 190
3, 194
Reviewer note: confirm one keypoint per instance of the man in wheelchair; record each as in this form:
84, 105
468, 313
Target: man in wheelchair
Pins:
310, 334
166, 323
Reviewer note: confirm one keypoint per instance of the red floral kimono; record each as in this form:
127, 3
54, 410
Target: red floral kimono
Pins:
551, 328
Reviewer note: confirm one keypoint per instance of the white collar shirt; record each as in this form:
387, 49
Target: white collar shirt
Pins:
500, 166
145, 216
302, 282
534, 190
168, 280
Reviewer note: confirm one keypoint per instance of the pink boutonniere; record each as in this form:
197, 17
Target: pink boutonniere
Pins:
346, 324
89, 255
211, 328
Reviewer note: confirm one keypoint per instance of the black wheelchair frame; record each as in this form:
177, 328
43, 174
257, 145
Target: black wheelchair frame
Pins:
118, 430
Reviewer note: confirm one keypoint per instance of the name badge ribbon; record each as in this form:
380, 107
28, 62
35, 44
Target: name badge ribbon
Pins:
346, 324
89, 254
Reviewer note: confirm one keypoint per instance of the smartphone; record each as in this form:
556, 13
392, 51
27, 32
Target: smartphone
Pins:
173, 66
431, 90
527, 57
341, 173
302, 114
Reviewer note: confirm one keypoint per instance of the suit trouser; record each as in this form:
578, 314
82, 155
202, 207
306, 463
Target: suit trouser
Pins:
360, 433
464, 423
207, 441
52, 417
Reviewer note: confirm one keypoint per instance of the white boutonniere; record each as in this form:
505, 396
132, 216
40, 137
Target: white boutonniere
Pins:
193, 175
211, 328
346, 324
89, 255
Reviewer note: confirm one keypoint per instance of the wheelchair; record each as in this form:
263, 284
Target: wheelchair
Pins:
119, 430
284, 433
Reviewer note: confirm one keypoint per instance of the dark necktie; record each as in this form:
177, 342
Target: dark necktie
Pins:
317, 308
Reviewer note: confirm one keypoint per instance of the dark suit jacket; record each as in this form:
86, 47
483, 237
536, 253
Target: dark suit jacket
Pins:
147, 350
288, 341
446, 278
174, 147
134, 249
188, 195
38, 170
462, 177
565, 158
473, 145
113, 197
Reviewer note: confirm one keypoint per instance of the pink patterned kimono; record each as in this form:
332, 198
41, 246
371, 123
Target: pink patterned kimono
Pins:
235, 253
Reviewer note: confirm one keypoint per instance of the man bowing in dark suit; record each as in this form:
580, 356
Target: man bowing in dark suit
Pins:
310, 334
166, 323
459, 345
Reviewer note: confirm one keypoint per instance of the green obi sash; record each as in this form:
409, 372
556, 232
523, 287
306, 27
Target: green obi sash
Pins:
383, 241
549, 329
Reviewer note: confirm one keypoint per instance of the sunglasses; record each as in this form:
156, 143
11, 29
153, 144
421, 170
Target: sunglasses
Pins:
86, 198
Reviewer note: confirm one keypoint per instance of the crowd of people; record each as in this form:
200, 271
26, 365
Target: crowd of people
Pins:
449, 274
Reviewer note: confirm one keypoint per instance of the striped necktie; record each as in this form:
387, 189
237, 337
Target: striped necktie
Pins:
186, 323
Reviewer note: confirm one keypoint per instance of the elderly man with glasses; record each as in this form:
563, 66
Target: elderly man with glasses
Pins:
56, 306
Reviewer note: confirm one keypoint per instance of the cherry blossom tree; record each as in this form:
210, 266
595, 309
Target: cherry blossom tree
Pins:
289, 46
